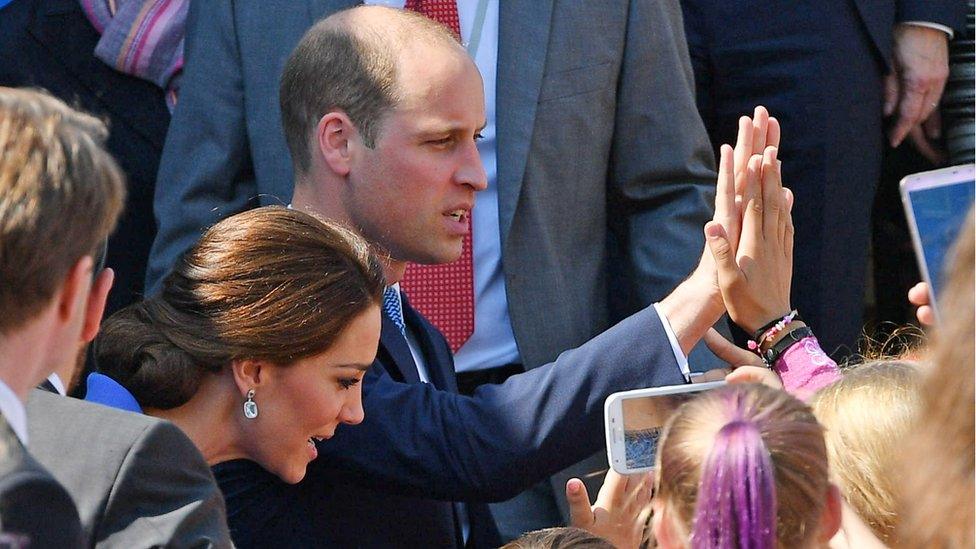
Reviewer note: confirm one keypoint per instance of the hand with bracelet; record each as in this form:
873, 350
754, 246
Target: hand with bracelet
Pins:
754, 267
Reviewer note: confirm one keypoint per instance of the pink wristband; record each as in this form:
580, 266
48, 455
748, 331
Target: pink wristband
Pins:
805, 368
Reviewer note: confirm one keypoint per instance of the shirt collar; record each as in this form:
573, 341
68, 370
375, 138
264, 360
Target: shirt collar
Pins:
14, 412
55, 380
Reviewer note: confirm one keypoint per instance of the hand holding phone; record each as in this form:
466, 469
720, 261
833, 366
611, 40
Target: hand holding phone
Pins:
936, 204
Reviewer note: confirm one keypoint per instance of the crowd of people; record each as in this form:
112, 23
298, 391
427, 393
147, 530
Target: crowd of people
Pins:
335, 347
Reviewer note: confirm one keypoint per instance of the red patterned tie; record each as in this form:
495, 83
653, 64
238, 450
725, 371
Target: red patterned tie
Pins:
444, 294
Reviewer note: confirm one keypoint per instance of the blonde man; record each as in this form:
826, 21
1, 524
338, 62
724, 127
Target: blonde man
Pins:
60, 196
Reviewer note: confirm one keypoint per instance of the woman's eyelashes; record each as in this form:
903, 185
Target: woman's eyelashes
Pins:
347, 383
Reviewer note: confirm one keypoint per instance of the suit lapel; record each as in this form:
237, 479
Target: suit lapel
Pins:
394, 351
70, 46
523, 39
433, 347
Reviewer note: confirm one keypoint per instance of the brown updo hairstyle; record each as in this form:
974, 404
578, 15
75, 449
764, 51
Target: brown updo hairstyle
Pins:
270, 284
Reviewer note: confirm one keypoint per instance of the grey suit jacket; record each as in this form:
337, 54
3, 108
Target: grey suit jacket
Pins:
34, 509
138, 481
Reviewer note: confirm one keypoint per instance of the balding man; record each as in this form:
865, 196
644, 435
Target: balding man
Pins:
382, 111
598, 166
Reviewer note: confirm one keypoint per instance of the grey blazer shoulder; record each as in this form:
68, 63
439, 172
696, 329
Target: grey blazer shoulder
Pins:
138, 481
33, 506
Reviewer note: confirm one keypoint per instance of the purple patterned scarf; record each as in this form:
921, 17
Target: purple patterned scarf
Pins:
143, 38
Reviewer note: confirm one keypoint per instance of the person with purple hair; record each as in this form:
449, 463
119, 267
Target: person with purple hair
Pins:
744, 466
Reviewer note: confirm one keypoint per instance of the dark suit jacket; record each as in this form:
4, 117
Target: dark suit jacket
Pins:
49, 44
818, 66
138, 481
386, 481
32, 503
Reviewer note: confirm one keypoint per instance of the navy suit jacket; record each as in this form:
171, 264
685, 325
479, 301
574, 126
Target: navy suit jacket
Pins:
389, 480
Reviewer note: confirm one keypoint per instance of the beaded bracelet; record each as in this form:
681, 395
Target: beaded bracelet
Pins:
792, 338
770, 330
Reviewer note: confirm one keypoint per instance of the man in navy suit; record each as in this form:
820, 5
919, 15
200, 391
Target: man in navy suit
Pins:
830, 70
382, 110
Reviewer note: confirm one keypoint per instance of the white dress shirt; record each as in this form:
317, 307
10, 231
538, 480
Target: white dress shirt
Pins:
14, 412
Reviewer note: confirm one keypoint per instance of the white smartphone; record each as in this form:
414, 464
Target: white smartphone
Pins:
936, 204
634, 420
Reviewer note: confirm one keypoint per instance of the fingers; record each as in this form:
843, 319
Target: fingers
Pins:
772, 195
760, 125
743, 142
919, 294
933, 125
580, 512
925, 315
787, 222
726, 211
728, 352
751, 238
925, 147
910, 107
891, 91
755, 374
729, 275
773, 133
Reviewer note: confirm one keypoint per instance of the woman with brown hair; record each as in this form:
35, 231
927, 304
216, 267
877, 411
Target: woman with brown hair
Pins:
256, 345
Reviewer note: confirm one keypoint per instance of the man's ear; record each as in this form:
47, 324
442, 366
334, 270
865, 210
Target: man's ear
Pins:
830, 519
335, 139
75, 287
96, 304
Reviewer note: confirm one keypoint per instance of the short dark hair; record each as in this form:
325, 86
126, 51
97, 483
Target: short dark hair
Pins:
339, 65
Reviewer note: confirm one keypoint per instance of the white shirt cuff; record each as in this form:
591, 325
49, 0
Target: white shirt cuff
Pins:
679, 356
931, 25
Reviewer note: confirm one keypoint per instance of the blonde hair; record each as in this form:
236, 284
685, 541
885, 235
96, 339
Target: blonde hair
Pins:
867, 415
744, 465
60, 197
937, 465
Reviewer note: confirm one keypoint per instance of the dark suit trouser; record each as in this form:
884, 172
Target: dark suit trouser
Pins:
813, 65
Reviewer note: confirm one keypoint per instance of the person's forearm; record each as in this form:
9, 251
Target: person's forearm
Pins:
691, 309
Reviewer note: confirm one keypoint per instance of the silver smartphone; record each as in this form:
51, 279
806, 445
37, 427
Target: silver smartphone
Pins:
936, 204
634, 420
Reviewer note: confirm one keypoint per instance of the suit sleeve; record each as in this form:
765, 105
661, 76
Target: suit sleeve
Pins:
205, 172
191, 514
662, 167
504, 438
951, 13
35, 508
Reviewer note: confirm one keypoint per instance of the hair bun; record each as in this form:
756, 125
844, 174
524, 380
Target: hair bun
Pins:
135, 351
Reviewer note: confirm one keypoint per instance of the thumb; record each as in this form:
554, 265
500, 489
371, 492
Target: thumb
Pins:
721, 249
728, 352
580, 512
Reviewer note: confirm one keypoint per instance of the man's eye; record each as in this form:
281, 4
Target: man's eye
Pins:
441, 142
348, 383
478, 136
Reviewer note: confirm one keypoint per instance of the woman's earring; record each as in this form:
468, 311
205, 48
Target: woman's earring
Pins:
250, 407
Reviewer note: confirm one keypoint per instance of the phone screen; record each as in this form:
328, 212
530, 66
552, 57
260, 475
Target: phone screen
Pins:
939, 215
643, 419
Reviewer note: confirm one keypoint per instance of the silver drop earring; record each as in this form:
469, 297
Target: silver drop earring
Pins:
250, 407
